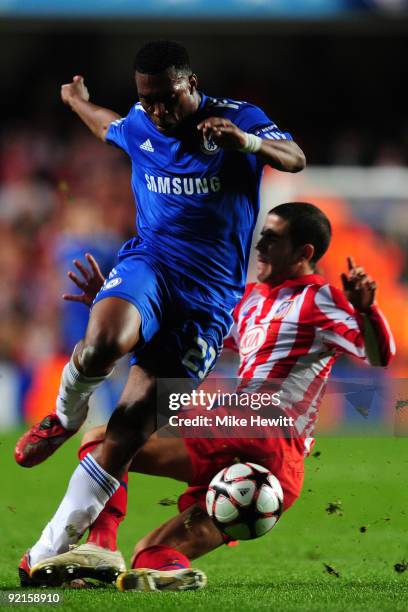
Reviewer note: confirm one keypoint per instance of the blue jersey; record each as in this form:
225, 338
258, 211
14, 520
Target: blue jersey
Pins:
197, 203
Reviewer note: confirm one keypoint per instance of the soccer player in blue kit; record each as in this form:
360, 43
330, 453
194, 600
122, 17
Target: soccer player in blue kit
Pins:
197, 164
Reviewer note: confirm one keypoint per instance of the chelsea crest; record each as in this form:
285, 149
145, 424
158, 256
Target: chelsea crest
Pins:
208, 146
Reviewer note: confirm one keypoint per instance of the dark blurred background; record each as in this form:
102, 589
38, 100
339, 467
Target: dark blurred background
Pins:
338, 85
332, 73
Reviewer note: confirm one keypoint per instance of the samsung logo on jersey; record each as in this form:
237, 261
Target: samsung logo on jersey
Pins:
185, 186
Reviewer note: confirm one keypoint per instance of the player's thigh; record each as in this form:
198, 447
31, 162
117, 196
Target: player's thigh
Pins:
114, 325
191, 532
132, 302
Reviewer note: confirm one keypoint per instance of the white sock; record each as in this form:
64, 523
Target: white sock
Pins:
73, 396
88, 491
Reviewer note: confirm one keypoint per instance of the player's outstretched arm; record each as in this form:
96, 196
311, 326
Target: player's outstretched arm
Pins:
76, 96
283, 155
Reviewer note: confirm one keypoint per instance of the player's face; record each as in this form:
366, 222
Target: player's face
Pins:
168, 97
276, 256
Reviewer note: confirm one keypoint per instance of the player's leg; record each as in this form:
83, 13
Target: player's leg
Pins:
113, 331
91, 485
99, 557
192, 533
164, 455
131, 424
161, 560
98, 476
167, 550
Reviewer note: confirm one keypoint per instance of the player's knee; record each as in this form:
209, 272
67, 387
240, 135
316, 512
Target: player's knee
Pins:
101, 351
155, 538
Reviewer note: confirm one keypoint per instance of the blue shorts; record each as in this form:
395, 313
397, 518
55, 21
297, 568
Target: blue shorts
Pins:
182, 327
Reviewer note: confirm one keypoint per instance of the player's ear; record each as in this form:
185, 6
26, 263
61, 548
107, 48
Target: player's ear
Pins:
193, 81
307, 252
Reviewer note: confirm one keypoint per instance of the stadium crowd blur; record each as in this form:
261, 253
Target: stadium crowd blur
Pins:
56, 203
63, 194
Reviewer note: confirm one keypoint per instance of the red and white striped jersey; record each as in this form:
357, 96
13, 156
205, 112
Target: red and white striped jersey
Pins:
294, 332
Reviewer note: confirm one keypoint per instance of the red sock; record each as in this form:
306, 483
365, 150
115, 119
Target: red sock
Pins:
104, 530
161, 558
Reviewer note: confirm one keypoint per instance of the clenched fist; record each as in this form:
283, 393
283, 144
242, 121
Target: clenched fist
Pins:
74, 91
223, 132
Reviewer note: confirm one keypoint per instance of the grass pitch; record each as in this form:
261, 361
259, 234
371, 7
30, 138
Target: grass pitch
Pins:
335, 549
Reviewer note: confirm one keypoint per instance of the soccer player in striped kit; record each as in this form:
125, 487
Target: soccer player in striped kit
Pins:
290, 327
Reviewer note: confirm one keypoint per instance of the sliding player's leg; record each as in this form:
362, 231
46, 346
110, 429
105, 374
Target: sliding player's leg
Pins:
161, 560
167, 551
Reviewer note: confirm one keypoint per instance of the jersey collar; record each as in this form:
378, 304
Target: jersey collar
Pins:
203, 101
300, 281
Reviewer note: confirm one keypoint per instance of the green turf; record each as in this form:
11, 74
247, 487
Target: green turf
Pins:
283, 570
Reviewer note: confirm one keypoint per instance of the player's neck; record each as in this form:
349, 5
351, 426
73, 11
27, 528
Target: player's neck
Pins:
303, 270
197, 100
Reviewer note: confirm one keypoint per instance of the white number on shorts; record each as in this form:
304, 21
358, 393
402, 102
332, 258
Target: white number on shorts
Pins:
199, 353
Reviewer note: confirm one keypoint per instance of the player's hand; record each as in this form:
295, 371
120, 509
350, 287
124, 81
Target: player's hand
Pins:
90, 283
223, 132
76, 90
358, 287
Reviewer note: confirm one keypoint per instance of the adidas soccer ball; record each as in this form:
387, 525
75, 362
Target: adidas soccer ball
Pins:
245, 500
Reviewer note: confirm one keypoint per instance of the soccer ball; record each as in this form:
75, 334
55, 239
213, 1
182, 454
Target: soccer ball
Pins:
245, 500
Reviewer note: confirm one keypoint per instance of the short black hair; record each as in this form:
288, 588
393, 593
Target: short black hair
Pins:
307, 225
158, 55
